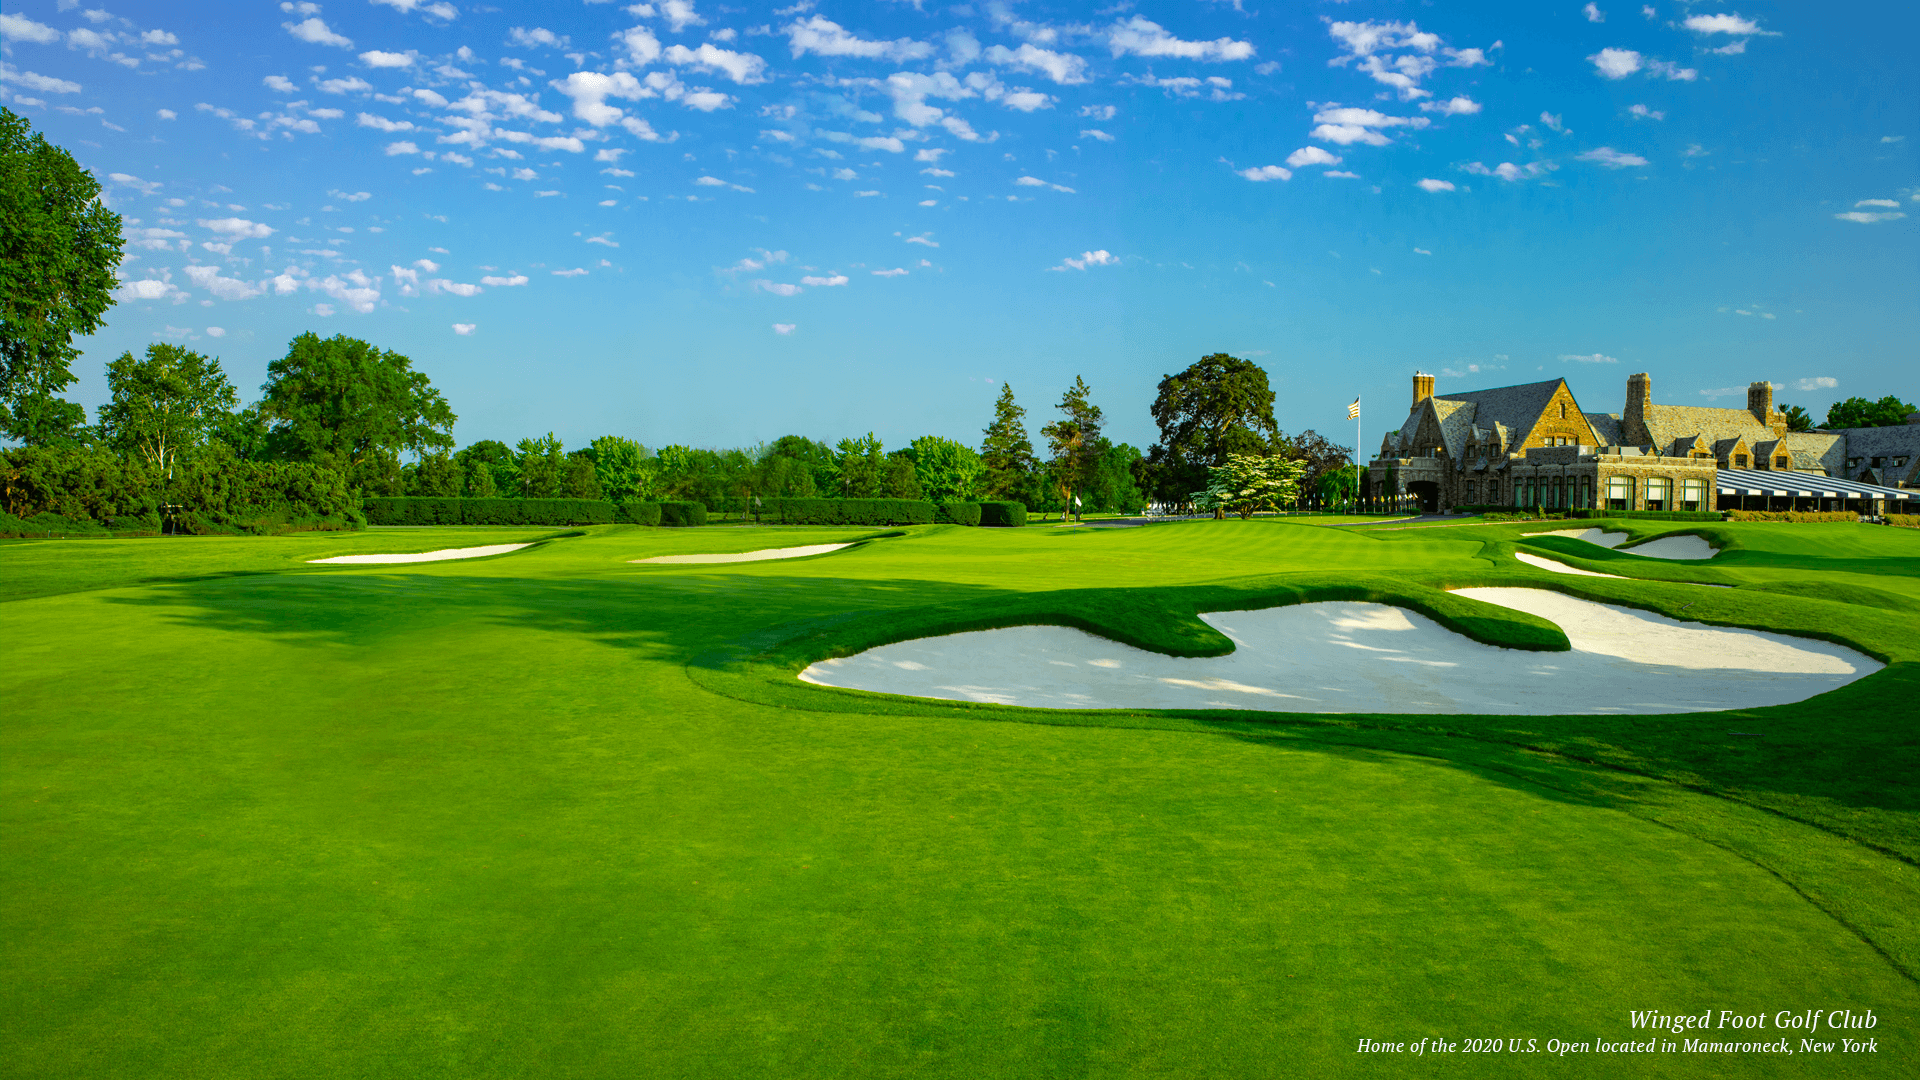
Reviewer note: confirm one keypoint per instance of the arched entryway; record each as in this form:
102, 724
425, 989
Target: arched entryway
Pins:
1428, 493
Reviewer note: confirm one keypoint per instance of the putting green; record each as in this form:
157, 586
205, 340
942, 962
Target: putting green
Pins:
553, 814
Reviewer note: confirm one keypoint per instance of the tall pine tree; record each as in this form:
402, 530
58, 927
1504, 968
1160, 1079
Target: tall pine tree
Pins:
1006, 452
1074, 441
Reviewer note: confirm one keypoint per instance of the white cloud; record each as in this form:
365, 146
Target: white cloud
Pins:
1308, 155
377, 59
824, 38
505, 282
1612, 159
1433, 185
825, 282
401, 147
1143, 38
898, 271
924, 239
224, 288
464, 328
1864, 217
871, 142
1507, 170
1641, 112
350, 196
21, 28
315, 32
351, 85
744, 68
680, 15
1346, 126
1724, 24
216, 331
1595, 358
1458, 106
1095, 133
1616, 63
1671, 70
1086, 259
784, 328
1099, 112
166, 114
1890, 203
538, 37
1818, 382
457, 288
279, 84
777, 288
46, 84
1593, 13
578, 271
237, 228
151, 289
1421, 251
1063, 68
381, 123
1263, 173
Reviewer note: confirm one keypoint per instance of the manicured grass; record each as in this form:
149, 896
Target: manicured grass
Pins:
554, 814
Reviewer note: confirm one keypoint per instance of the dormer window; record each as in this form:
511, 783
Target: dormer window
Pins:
1739, 461
1853, 463
1783, 463
1899, 463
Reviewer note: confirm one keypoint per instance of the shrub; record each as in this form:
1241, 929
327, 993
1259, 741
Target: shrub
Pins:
1797, 516
1653, 515
1012, 515
682, 515
958, 513
439, 510
635, 512
1905, 521
849, 511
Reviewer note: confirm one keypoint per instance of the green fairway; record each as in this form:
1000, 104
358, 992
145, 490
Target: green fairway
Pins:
553, 814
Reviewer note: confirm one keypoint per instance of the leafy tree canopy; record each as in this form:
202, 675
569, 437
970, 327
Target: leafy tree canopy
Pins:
1245, 483
861, 467
1074, 441
1858, 412
1797, 418
59, 248
344, 402
623, 467
1220, 405
165, 403
947, 471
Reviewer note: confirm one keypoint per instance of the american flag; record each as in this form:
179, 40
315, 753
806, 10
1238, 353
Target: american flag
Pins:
1353, 410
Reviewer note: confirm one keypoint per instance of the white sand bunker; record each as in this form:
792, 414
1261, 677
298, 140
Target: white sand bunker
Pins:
1675, 547
1667, 547
748, 556
427, 556
1357, 657
1558, 567
1592, 536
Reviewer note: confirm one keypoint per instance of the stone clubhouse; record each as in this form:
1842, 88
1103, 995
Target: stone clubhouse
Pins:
1533, 445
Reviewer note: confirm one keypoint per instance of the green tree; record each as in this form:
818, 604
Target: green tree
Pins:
860, 465
578, 479
898, 479
1858, 412
243, 431
435, 474
345, 403
1073, 442
814, 457
1338, 487
621, 466
1246, 483
1113, 489
947, 471
1220, 405
59, 248
495, 460
1007, 452
164, 404
1797, 418
542, 466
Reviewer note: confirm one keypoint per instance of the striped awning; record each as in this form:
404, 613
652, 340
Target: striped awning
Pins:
1804, 485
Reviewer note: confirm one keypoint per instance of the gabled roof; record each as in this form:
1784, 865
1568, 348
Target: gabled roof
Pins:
1666, 423
1606, 426
1517, 408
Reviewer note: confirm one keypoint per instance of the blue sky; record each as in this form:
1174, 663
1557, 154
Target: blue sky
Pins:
707, 224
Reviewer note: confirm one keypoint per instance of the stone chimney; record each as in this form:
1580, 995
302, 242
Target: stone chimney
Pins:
1422, 387
1913, 419
1760, 401
1633, 419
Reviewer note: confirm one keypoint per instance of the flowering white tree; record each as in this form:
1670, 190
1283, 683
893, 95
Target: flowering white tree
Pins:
1245, 483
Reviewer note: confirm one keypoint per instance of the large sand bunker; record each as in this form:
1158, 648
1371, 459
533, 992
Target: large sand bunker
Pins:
1666, 547
1558, 567
1356, 657
426, 556
748, 556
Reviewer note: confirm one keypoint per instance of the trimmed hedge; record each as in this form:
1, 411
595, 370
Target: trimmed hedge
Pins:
635, 512
682, 515
1653, 515
848, 511
1905, 521
1797, 516
438, 510
1009, 515
957, 513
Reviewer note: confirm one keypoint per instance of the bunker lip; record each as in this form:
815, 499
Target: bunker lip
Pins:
1560, 567
443, 555
1665, 547
1354, 657
763, 555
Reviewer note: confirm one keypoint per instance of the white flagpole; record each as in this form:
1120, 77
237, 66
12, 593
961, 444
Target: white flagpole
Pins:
1356, 451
